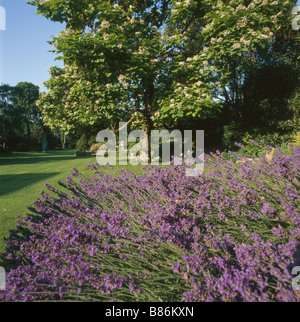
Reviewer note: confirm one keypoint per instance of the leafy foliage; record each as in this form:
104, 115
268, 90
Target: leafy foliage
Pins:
296, 139
83, 154
161, 63
21, 120
84, 143
22, 147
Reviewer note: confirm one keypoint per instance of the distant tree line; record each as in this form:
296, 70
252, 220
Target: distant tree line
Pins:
21, 122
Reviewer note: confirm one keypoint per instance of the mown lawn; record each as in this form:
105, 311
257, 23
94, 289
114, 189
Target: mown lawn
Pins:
22, 177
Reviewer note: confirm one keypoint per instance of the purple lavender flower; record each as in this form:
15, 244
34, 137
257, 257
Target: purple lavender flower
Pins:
229, 235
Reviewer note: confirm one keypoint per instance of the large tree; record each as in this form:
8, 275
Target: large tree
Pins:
19, 114
114, 61
24, 100
153, 62
220, 42
6, 93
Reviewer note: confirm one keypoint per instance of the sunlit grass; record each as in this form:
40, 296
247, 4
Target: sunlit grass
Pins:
23, 175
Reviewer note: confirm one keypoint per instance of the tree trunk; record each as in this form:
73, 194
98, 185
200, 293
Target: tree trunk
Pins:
147, 115
4, 134
65, 141
45, 142
28, 131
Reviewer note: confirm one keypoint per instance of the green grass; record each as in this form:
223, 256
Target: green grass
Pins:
22, 177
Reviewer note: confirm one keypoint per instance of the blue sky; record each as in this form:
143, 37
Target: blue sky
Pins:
24, 51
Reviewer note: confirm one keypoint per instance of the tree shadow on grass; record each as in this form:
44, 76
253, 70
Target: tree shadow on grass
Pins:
32, 158
14, 182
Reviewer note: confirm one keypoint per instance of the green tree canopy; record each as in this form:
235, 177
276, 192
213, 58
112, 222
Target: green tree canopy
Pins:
156, 62
19, 112
24, 100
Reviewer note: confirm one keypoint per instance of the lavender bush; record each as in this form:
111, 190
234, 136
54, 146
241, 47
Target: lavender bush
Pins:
231, 234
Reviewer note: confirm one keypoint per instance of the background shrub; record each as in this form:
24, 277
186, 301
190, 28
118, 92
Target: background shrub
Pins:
296, 139
22, 147
94, 147
4, 151
84, 143
83, 154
